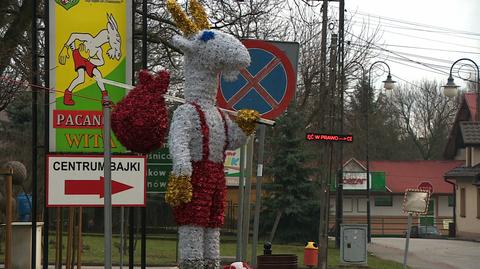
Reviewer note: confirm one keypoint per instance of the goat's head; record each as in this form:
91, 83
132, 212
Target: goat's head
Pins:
114, 40
207, 49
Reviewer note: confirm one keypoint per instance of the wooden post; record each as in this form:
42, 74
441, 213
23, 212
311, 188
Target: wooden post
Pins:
69, 238
79, 246
8, 172
58, 239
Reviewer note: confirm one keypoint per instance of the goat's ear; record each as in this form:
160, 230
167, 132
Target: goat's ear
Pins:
182, 43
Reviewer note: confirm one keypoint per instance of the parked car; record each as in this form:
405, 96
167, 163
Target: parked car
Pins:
424, 232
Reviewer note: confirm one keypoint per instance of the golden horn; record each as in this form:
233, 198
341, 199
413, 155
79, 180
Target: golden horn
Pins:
181, 19
199, 15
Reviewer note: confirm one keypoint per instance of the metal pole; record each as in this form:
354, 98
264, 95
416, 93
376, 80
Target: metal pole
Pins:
246, 198
367, 110
131, 211
241, 189
143, 210
107, 184
34, 134
367, 106
258, 190
407, 240
46, 138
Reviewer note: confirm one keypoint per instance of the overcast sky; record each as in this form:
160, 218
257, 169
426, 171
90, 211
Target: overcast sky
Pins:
441, 26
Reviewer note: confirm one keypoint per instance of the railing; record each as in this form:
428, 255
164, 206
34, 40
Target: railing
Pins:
392, 225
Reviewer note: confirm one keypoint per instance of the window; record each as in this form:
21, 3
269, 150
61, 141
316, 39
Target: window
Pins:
478, 203
347, 205
450, 201
362, 205
462, 203
384, 200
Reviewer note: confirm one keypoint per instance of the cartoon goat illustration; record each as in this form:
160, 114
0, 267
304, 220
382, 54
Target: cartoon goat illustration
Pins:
200, 134
89, 63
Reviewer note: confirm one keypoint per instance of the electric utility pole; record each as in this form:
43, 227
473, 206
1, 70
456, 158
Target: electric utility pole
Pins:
341, 55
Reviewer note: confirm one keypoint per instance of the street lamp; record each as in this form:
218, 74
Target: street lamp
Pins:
388, 84
450, 89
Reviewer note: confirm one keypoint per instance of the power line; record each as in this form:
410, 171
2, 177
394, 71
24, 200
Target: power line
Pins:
441, 32
413, 55
433, 40
449, 30
397, 54
401, 61
435, 49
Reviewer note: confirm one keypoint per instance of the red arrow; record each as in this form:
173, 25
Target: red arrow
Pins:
92, 187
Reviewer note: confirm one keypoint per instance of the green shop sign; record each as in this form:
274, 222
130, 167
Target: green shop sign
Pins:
159, 166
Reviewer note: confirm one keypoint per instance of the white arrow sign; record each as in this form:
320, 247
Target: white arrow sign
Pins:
77, 180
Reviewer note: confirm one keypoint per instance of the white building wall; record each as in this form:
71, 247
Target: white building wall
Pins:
355, 205
470, 223
443, 209
476, 156
394, 210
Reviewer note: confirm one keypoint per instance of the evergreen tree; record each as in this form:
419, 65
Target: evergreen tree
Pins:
292, 194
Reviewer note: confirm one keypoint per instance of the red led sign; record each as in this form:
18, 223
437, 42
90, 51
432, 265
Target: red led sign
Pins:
329, 137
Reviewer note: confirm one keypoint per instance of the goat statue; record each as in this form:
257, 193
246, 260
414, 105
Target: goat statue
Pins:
200, 134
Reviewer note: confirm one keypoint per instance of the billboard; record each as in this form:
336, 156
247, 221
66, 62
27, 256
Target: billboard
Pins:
88, 40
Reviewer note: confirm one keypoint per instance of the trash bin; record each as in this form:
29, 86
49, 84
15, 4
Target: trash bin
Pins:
24, 207
22, 245
451, 229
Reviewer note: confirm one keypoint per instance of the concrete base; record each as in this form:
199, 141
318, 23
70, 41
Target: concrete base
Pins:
22, 245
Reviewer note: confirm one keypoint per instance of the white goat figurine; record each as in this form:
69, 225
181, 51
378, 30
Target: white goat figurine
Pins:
200, 134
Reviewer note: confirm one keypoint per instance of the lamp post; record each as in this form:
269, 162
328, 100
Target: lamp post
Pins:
450, 89
388, 85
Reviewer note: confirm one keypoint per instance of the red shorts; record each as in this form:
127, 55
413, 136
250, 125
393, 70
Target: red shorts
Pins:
81, 62
207, 208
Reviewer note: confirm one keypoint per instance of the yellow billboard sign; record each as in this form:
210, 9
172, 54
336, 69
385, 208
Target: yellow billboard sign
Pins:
89, 40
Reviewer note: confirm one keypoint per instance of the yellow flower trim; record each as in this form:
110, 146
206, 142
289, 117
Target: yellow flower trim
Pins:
179, 190
199, 15
246, 119
181, 19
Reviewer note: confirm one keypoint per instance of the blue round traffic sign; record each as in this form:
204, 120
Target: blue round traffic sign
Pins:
267, 85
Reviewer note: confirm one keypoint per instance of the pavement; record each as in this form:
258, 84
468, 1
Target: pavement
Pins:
429, 253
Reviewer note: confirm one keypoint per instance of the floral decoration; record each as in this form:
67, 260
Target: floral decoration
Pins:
140, 120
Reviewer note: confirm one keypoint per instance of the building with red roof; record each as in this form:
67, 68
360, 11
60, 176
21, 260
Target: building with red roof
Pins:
389, 180
464, 144
402, 175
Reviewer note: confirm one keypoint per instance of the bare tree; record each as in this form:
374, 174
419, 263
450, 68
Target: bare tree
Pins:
15, 19
425, 116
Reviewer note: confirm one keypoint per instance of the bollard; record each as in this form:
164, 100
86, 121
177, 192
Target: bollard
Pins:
267, 248
310, 255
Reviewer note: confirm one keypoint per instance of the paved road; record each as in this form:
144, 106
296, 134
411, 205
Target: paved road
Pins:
429, 253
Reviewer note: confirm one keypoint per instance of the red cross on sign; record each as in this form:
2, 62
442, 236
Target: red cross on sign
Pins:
267, 85
425, 185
